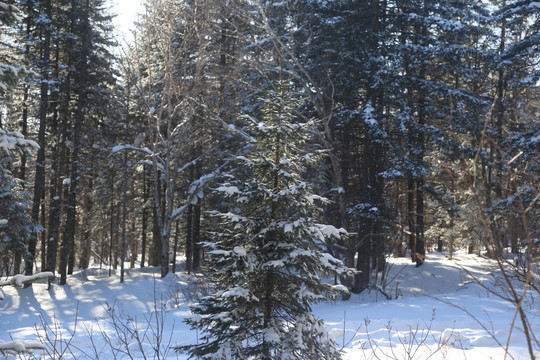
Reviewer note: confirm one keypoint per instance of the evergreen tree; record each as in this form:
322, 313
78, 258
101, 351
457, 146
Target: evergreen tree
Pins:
94, 99
15, 224
13, 211
268, 258
9, 69
435, 98
515, 74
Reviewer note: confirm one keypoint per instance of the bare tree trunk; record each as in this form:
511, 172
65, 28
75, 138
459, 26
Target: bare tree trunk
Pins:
82, 83
419, 229
410, 217
39, 182
196, 236
175, 246
144, 219
111, 223
124, 218
43, 234
133, 243
155, 251
189, 239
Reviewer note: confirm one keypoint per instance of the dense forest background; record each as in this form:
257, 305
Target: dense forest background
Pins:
426, 113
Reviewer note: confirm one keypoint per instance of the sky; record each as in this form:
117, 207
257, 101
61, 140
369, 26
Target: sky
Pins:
126, 11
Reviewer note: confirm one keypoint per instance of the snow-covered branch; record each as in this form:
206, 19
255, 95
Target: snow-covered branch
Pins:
21, 280
12, 140
20, 346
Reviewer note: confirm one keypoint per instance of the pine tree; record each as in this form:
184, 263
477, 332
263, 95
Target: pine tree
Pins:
89, 55
516, 72
15, 225
13, 211
9, 70
439, 63
268, 260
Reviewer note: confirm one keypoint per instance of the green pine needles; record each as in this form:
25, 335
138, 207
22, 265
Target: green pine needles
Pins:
268, 258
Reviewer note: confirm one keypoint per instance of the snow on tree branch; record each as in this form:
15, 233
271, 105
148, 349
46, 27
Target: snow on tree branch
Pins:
12, 140
20, 280
20, 346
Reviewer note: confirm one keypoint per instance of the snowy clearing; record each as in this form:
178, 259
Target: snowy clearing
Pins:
438, 312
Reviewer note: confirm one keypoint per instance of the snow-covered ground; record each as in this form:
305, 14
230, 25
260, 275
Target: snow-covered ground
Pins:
437, 312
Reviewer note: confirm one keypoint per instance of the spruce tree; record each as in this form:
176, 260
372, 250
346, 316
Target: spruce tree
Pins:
267, 259
15, 224
9, 70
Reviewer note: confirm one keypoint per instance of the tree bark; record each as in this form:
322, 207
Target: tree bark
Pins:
144, 219
39, 182
82, 71
189, 239
410, 217
124, 218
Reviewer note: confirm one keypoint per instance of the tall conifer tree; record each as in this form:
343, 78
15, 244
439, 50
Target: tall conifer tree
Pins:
267, 259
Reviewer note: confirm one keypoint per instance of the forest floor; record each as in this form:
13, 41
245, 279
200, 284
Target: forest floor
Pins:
436, 311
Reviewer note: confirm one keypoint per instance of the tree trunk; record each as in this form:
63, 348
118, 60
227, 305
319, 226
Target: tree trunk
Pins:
43, 234
419, 230
196, 236
420, 149
49, 263
144, 219
411, 218
361, 280
82, 72
124, 218
155, 251
86, 241
87, 204
111, 222
39, 182
175, 246
267, 311
71, 257
26, 91
189, 239
451, 238
133, 243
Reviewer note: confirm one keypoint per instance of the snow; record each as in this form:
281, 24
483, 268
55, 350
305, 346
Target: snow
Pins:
3, 222
331, 231
236, 292
20, 279
369, 116
240, 251
118, 148
11, 140
228, 190
430, 312
219, 252
288, 228
66, 181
